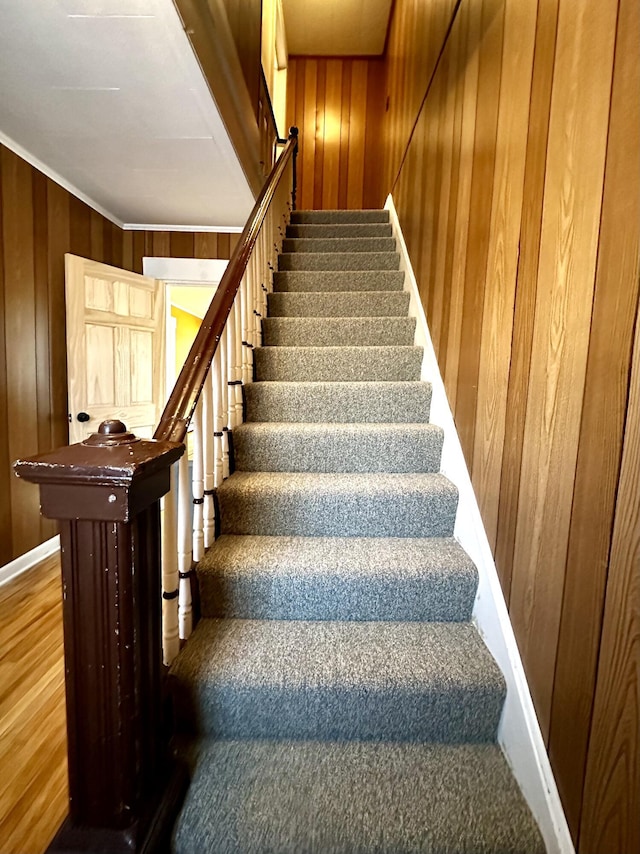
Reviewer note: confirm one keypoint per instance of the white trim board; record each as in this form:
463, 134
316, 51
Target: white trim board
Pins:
28, 560
519, 733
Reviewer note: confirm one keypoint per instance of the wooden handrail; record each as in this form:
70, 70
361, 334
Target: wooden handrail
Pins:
184, 397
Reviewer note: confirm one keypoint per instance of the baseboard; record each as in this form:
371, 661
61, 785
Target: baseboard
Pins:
519, 733
28, 560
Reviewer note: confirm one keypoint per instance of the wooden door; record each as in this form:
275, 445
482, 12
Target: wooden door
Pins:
115, 347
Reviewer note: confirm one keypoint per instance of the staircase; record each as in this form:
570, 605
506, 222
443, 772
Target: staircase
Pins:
339, 696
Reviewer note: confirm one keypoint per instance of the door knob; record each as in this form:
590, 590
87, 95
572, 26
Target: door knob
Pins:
83, 416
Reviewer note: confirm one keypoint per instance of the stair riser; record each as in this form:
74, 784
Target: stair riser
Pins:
349, 304
338, 402
345, 230
327, 597
338, 331
305, 281
339, 216
282, 449
339, 244
339, 261
303, 514
338, 364
444, 714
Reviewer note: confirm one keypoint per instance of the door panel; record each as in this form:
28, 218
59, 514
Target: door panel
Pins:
115, 347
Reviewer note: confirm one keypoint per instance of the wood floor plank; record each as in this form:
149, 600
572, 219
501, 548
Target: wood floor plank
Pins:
33, 741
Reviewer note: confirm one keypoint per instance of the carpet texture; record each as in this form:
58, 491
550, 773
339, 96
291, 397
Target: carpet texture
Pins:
336, 697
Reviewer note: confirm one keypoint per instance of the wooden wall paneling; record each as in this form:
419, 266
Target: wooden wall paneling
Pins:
441, 165
97, 237
107, 241
137, 251
458, 64
224, 245
234, 239
6, 551
571, 218
468, 25
80, 227
117, 246
374, 194
492, 24
601, 429
502, 260
331, 149
245, 22
20, 330
527, 283
205, 244
345, 131
359, 105
161, 244
59, 239
127, 250
611, 810
447, 147
43, 413
321, 104
182, 244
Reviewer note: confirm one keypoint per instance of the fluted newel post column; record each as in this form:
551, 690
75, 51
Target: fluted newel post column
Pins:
106, 492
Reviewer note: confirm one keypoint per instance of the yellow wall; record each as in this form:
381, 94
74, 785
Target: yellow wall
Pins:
187, 326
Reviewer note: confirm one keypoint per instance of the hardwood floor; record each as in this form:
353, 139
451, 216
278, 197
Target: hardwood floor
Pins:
33, 743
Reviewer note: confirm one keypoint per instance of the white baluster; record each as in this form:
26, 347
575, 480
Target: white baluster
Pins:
170, 578
222, 348
218, 417
197, 482
238, 361
208, 441
230, 329
184, 546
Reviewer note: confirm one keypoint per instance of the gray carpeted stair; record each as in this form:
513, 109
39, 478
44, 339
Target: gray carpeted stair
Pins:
358, 402
339, 698
354, 797
350, 364
337, 504
343, 304
339, 261
348, 229
320, 281
338, 244
337, 578
300, 447
332, 331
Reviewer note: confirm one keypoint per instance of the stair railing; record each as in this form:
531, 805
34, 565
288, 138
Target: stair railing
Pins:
124, 787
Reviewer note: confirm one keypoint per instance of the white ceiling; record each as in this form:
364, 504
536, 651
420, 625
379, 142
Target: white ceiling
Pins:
336, 27
108, 96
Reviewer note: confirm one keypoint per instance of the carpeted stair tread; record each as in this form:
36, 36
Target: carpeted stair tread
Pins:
334, 505
360, 402
406, 681
339, 244
337, 280
345, 229
337, 578
299, 447
346, 364
333, 331
354, 798
338, 261
339, 216
343, 304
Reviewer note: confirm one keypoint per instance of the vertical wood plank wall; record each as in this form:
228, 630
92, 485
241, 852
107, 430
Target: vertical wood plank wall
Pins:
336, 104
519, 197
39, 222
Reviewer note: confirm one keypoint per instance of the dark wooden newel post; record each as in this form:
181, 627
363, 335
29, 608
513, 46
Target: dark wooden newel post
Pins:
106, 492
